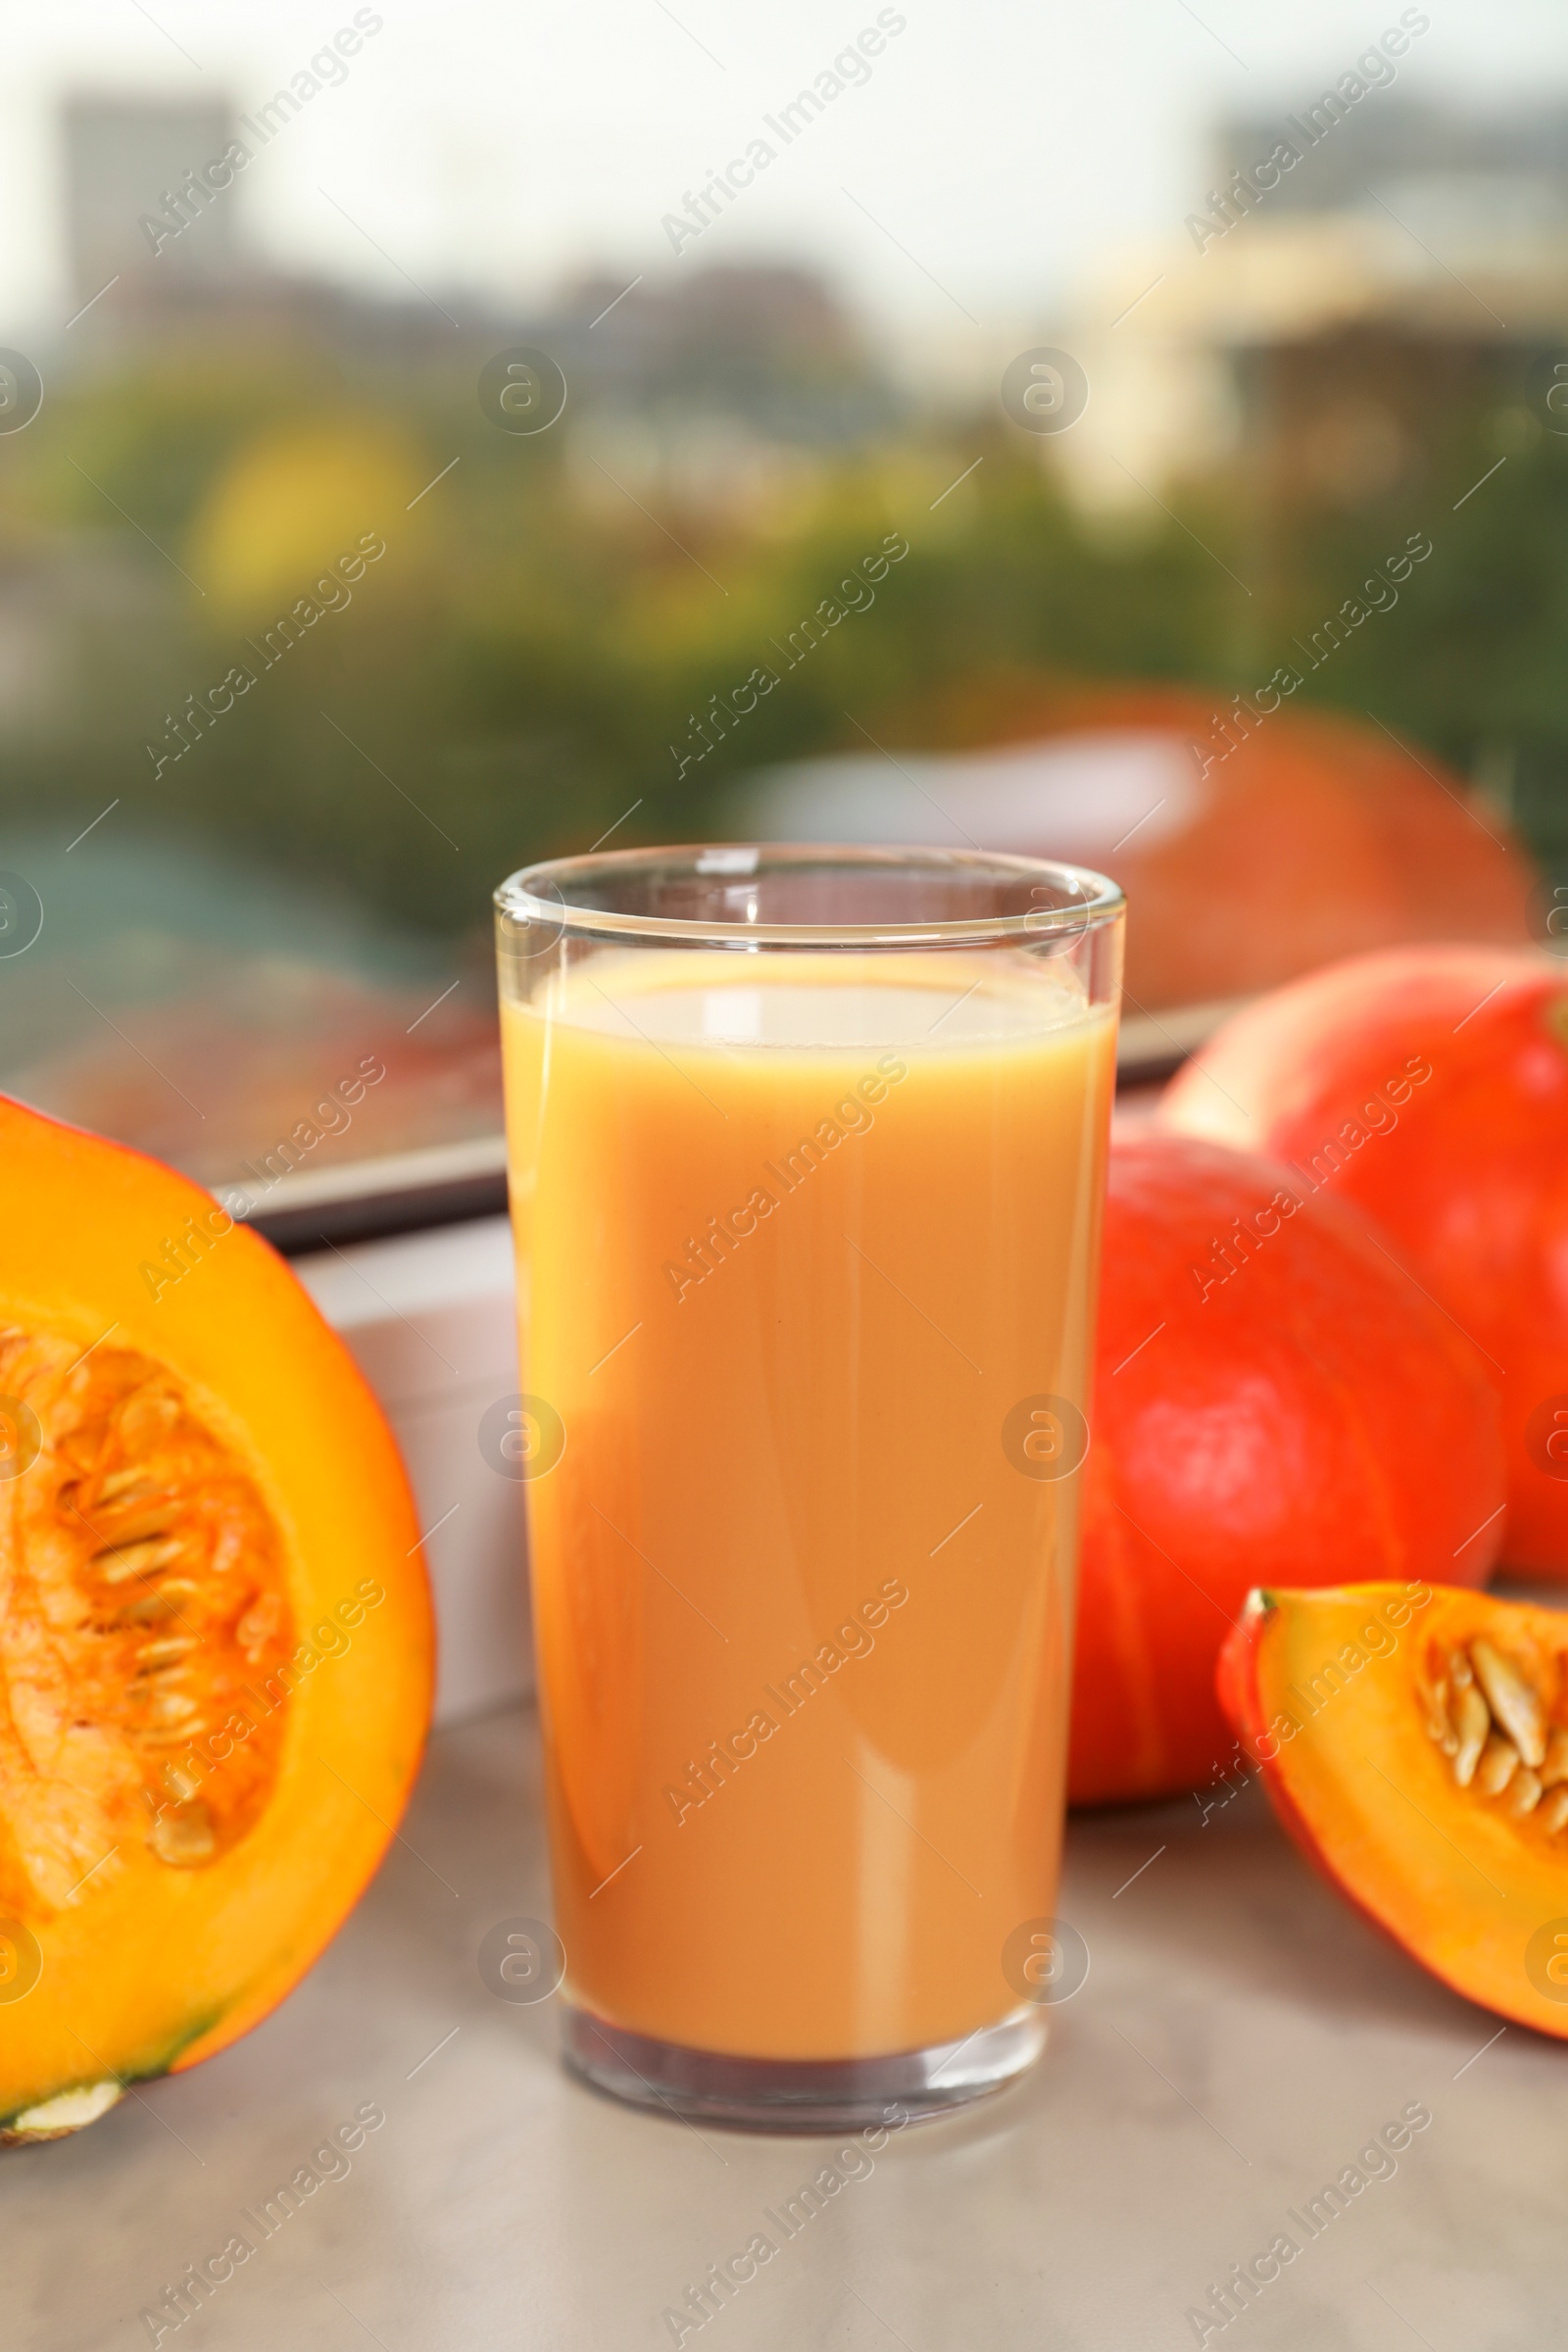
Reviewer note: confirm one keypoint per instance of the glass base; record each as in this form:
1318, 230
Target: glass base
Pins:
800, 2094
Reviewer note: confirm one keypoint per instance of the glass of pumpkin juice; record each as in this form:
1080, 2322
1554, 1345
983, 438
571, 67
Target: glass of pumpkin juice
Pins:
806, 1152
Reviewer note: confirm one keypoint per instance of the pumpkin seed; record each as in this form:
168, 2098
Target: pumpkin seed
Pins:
150, 1518
1500, 1761
185, 1837
163, 1651
127, 1484
1514, 1701
1472, 1723
1554, 1811
117, 1565
113, 1574
147, 1609
171, 1706
1487, 1714
1439, 1728
1555, 1766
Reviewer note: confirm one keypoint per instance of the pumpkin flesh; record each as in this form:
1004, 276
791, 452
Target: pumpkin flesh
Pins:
214, 1633
1346, 1699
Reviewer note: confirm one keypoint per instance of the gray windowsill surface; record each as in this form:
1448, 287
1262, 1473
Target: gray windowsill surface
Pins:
1240, 2040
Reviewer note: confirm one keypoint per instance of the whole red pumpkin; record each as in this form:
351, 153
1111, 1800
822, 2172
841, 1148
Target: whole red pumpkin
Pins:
1465, 1168
1276, 1402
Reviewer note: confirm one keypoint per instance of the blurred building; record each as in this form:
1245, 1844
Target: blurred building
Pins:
767, 343
128, 158
726, 387
712, 384
1406, 277
1428, 288
1478, 163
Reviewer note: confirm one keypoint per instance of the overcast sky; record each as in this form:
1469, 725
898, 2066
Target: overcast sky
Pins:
993, 153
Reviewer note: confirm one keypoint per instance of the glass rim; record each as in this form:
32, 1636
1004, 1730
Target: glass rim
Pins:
542, 894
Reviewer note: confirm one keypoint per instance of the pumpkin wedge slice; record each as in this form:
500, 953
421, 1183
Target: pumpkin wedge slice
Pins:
216, 1643
1414, 1742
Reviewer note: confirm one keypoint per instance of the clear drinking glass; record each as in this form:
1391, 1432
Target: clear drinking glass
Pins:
808, 1157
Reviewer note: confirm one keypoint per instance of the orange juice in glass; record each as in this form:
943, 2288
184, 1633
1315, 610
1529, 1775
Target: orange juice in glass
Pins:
808, 1154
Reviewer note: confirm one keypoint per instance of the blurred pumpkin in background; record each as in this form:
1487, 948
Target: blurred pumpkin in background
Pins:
1246, 858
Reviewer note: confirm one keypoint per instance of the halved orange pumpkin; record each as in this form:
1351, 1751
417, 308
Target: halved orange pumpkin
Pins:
1414, 1742
215, 1643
